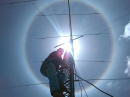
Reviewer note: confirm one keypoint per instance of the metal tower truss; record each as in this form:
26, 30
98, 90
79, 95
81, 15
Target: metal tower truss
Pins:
69, 77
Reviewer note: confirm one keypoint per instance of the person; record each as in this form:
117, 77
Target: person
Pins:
49, 69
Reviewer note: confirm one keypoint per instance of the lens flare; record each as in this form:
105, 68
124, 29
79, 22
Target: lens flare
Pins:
68, 46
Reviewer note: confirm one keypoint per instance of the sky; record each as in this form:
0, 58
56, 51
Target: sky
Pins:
23, 47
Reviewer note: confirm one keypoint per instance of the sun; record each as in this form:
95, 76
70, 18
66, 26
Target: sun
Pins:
68, 46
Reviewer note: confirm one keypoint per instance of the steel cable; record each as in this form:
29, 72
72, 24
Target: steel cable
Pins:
94, 86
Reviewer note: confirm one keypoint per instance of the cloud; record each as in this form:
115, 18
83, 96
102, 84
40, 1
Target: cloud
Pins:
126, 32
109, 85
127, 70
112, 85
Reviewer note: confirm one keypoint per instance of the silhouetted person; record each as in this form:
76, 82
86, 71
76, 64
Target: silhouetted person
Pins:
50, 67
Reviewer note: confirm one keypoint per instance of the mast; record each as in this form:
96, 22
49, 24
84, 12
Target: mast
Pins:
72, 64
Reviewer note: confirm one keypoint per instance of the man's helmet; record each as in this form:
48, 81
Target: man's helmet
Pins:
61, 50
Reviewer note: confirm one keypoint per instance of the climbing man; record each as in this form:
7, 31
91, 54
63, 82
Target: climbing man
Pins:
50, 69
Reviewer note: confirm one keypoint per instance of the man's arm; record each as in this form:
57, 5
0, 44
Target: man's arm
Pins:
62, 62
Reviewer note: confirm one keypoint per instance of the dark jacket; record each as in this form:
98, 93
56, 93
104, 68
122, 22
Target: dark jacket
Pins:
53, 57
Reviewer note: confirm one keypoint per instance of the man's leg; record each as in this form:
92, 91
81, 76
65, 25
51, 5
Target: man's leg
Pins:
61, 77
52, 76
49, 70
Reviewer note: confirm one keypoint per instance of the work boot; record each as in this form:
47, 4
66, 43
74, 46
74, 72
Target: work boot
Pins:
62, 88
56, 94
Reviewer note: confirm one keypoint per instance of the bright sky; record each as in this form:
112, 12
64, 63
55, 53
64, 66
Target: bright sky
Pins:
21, 23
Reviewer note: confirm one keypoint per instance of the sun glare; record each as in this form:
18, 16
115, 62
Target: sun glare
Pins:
67, 46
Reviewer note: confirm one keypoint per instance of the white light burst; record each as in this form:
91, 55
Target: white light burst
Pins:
67, 46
